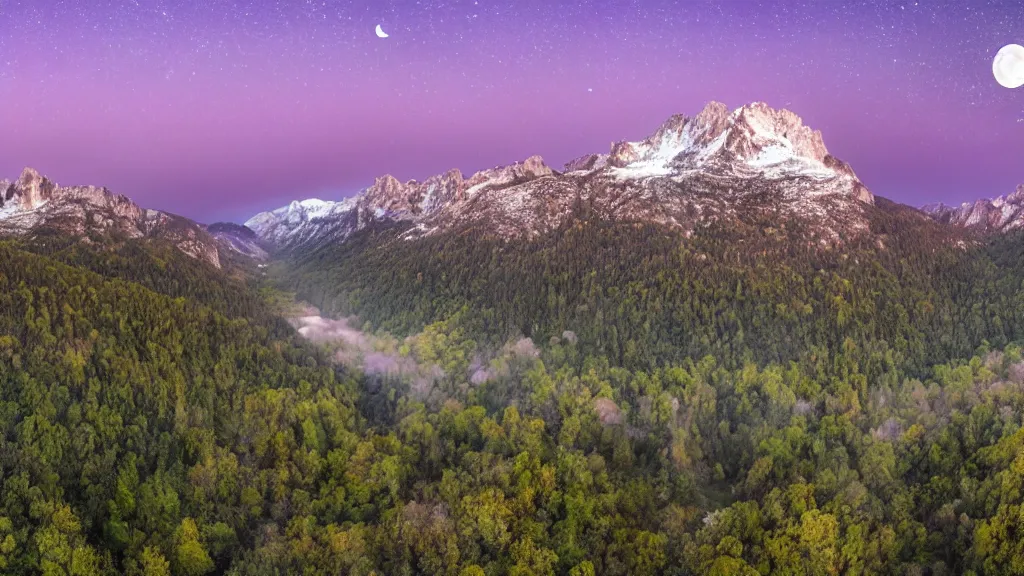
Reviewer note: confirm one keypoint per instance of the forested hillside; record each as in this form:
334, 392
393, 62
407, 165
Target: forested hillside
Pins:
146, 424
690, 407
910, 294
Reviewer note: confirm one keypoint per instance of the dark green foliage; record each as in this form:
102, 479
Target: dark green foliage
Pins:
908, 294
159, 267
126, 414
754, 407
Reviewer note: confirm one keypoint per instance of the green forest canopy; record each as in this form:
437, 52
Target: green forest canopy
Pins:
808, 413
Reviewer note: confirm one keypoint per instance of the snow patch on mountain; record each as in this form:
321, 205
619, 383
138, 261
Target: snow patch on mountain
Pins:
238, 238
300, 219
752, 141
719, 164
34, 201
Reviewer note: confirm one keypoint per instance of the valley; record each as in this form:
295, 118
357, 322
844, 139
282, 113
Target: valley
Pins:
710, 351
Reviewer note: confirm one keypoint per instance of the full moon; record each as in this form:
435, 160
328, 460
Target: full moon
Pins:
1008, 67
380, 32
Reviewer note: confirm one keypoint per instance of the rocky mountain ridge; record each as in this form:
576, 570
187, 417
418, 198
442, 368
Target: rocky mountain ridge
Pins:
751, 164
238, 238
716, 166
1002, 214
34, 202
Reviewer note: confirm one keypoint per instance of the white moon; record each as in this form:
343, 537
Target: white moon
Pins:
1008, 67
380, 32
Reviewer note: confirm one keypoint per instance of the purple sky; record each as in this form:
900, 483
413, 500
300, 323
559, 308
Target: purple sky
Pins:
218, 109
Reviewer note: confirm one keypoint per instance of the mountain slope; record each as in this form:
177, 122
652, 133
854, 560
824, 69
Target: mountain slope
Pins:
146, 433
734, 234
717, 167
239, 239
642, 294
33, 203
117, 392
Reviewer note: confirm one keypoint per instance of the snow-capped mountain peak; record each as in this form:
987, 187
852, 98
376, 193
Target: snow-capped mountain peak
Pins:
753, 140
238, 238
689, 170
387, 199
34, 201
289, 224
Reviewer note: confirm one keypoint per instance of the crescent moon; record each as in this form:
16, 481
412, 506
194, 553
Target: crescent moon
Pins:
1008, 66
380, 32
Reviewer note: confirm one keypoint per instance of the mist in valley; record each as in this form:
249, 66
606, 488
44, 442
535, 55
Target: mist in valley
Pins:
431, 366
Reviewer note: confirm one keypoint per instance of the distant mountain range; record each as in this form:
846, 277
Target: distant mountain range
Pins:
714, 167
1000, 215
718, 167
33, 204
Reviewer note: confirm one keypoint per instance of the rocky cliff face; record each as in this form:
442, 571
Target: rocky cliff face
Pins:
238, 238
716, 166
34, 202
754, 141
1002, 214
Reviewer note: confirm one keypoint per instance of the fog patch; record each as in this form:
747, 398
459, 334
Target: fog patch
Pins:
323, 330
526, 347
380, 363
500, 363
383, 357
375, 356
608, 411
423, 383
1016, 373
802, 407
891, 429
479, 371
